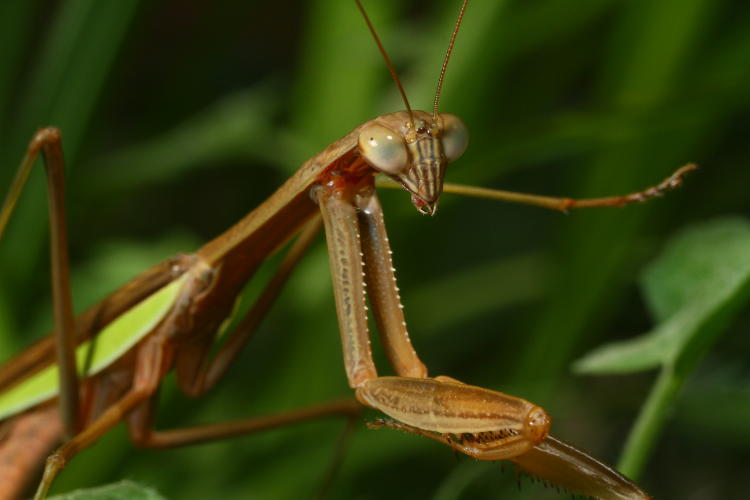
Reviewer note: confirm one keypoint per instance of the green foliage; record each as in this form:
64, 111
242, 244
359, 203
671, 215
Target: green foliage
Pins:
694, 289
181, 116
124, 490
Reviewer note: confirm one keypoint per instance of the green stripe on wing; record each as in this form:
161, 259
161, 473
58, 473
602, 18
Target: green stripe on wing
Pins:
111, 343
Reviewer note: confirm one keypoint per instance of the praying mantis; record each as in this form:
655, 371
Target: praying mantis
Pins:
250, 242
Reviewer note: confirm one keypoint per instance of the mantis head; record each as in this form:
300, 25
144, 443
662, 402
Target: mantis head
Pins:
414, 150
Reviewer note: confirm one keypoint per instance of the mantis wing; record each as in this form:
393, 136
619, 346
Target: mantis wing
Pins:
96, 354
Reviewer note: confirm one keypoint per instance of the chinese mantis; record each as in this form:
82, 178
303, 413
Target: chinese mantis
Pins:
171, 313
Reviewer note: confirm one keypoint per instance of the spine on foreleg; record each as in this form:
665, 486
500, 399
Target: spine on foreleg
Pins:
25, 442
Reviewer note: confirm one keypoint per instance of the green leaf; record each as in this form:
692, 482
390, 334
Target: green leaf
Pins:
124, 490
708, 262
694, 288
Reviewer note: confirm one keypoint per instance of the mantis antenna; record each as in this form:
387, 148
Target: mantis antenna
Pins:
388, 62
447, 58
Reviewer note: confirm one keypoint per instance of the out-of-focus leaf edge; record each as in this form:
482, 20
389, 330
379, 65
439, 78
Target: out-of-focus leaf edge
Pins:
122, 490
699, 320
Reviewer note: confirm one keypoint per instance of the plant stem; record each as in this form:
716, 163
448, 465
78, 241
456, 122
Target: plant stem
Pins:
649, 423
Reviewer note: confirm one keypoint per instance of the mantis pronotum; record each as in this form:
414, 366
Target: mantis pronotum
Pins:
195, 294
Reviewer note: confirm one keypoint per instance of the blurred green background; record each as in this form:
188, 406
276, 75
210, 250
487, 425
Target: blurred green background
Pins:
179, 116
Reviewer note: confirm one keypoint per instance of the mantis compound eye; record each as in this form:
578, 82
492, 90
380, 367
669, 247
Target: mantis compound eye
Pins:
383, 149
455, 137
